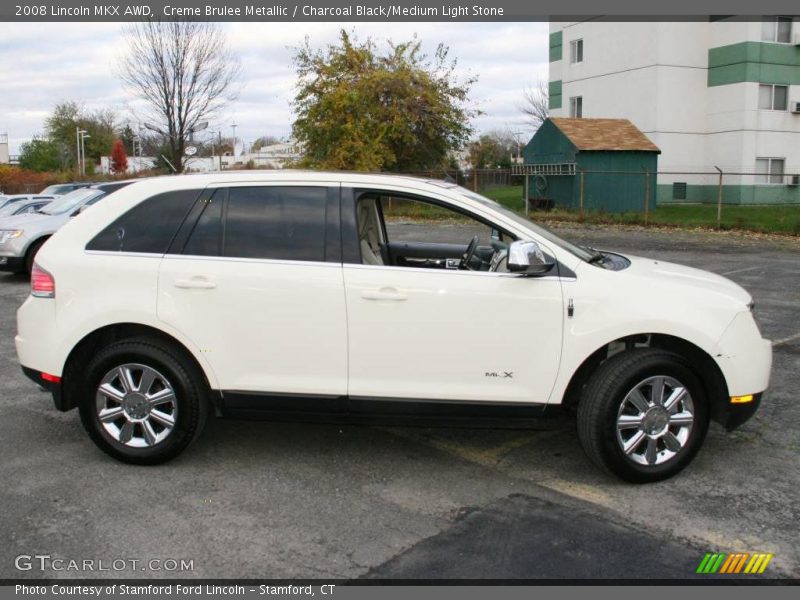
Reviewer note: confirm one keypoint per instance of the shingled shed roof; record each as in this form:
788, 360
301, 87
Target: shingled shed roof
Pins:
604, 134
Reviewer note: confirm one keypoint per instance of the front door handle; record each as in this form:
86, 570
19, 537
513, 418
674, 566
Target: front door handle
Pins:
195, 283
390, 294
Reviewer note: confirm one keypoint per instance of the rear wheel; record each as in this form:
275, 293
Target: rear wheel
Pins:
142, 401
643, 415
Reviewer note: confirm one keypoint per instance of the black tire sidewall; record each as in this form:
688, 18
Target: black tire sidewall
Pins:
189, 400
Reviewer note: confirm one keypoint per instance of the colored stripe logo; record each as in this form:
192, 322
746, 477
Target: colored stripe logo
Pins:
734, 563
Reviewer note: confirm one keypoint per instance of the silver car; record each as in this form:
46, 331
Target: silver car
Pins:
7, 199
24, 207
21, 236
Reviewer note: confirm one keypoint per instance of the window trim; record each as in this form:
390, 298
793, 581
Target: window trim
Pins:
769, 175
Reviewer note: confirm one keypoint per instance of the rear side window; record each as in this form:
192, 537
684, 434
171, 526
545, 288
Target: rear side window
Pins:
206, 238
149, 226
267, 222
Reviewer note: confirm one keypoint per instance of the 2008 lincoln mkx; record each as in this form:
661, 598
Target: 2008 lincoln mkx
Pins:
259, 293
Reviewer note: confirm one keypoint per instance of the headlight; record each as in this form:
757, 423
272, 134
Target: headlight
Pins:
10, 234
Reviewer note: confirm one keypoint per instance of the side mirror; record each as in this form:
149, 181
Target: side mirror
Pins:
79, 210
526, 258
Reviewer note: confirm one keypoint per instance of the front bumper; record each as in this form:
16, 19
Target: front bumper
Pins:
13, 264
738, 414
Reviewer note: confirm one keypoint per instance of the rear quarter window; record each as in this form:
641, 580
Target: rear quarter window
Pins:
149, 226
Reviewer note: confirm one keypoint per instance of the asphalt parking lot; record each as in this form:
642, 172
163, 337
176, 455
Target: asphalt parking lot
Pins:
274, 500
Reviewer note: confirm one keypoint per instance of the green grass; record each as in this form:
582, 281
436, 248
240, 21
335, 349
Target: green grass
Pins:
765, 219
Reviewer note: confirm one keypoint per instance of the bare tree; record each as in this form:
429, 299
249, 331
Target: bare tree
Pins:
184, 73
535, 104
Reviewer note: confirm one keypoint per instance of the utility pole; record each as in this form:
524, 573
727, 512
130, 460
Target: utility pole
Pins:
234, 126
83, 136
78, 150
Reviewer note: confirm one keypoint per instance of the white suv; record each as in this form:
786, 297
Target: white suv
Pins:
346, 296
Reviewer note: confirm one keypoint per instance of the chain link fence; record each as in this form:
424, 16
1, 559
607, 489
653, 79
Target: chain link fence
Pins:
765, 200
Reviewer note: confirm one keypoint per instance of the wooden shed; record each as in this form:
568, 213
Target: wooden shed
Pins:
608, 162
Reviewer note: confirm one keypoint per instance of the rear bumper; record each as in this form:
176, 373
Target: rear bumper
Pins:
738, 414
52, 387
13, 264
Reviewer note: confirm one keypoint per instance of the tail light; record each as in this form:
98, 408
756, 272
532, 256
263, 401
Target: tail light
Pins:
43, 285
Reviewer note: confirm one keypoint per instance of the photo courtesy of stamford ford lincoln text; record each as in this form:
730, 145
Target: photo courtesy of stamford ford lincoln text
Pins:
387, 300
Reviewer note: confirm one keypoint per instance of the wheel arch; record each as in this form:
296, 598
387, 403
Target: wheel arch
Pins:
41, 240
700, 361
82, 352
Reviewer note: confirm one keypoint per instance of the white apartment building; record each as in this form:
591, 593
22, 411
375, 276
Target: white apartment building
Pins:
4, 156
719, 93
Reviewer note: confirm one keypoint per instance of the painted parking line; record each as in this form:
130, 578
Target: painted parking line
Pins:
785, 340
742, 270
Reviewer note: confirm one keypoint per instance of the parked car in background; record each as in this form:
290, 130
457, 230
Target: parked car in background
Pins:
295, 293
59, 189
22, 236
24, 207
7, 199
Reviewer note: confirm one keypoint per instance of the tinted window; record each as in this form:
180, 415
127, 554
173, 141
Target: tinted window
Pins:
276, 222
147, 227
206, 238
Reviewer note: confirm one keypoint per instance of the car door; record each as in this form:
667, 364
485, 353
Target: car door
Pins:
257, 285
446, 334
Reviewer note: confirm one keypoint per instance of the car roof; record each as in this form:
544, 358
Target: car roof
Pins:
190, 180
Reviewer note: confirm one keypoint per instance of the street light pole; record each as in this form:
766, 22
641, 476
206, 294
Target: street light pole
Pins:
83, 136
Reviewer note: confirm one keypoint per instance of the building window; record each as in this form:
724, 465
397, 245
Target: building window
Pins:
576, 107
773, 97
769, 170
777, 29
576, 51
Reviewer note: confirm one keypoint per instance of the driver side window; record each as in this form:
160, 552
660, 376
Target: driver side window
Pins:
398, 231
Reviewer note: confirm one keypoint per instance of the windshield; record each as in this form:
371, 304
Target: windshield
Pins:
539, 229
71, 201
10, 209
57, 189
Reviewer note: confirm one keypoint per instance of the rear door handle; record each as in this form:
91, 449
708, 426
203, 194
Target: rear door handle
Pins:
390, 294
195, 283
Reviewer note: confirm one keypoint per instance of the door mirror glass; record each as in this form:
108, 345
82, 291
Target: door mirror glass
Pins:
527, 258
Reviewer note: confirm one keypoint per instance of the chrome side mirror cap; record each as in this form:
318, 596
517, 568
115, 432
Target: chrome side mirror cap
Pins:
526, 258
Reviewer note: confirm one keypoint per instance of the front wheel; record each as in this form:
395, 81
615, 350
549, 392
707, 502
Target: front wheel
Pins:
142, 401
643, 415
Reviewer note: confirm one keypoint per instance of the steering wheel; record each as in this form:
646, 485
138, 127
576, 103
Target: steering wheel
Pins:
466, 258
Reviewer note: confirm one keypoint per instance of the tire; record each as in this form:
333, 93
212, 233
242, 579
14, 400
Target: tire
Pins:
31, 255
143, 426
661, 439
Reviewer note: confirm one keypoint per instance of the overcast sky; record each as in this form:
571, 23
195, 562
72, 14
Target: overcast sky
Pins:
44, 63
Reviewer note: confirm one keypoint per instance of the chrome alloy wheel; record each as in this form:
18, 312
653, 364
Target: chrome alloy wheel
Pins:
655, 420
136, 405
